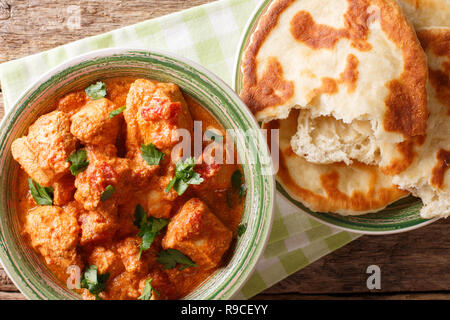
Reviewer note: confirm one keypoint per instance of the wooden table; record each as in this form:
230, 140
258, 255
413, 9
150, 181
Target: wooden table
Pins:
414, 265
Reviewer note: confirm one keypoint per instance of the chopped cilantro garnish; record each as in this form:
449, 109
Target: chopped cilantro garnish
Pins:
214, 136
42, 195
241, 229
109, 191
147, 292
242, 190
96, 91
93, 281
184, 176
151, 154
79, 161
149, 228
236, 183
116, 112
170, 258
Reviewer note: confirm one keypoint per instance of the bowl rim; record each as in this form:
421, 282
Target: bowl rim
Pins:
258, 245
246, 35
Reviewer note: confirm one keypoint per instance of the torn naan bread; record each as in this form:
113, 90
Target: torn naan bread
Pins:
428, 177
354, 189
356, 63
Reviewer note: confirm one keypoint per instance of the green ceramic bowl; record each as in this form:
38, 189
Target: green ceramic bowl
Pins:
400, 216
24, 267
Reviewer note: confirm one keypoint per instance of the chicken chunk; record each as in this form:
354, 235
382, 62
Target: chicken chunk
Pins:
63, 190
54, 233
92, 124
142, 172
128, 250
104, 169
72, 102
43, 153
154, 111
107, 260
125, 286
117, 90
215, 176
161, 284
98, 225
199, 234
156, 202
215, 186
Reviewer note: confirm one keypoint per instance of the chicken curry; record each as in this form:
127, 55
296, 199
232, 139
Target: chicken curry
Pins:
104, 189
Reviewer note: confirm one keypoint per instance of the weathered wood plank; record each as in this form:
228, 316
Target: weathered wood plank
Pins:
399, 296
28, 27
413, 261
11, 296
5, 283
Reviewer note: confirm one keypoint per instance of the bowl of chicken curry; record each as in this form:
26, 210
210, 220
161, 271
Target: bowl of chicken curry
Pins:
129, 174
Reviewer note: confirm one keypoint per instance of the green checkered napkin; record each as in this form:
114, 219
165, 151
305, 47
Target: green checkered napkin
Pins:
210, 35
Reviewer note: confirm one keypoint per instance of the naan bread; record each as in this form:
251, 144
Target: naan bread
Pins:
428, 177
327, 140
350, 62
348, 190
427, 13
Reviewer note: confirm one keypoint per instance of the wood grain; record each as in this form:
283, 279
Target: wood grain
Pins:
414, 265
397, 296
32, 26
416, 261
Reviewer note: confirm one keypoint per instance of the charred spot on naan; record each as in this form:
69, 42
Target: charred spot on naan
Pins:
319, 36
272, 88
401, 163
407, 94
438, 173
349, 77
438, 42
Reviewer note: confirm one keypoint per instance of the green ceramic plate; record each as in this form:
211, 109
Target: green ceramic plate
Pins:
23, 266
401, 216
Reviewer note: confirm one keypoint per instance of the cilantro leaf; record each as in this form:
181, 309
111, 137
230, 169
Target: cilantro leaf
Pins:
116, 112
96, 91
93, 281
109, 191
149, 228
79, 161
42, 195
170, 258
214, 136
147, 292
151, 154
140, 217
184, 176
242, 190
241, 229
236, 183
236, 179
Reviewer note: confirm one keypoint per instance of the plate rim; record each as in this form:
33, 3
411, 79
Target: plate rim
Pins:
252, 22
256, 246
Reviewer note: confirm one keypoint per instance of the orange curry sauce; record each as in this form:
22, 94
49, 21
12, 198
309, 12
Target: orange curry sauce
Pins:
83, 230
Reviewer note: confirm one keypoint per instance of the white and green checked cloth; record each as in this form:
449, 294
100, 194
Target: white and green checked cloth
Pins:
210, 35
